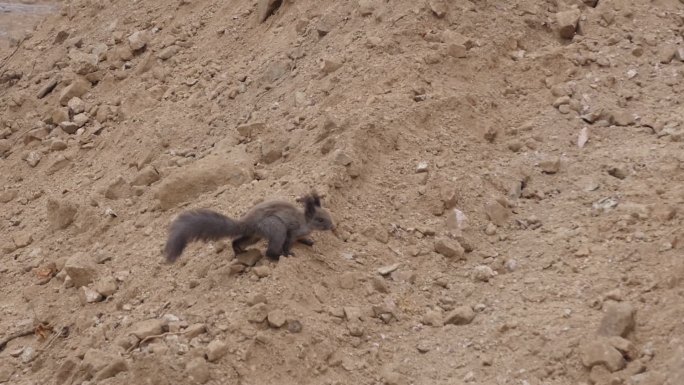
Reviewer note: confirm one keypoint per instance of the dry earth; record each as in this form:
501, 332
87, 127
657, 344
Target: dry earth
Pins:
506, 178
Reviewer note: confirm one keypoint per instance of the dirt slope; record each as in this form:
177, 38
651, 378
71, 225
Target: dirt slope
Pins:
508, 200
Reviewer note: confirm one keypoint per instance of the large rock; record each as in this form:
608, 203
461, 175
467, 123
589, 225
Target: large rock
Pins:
618, 319
77, 88
461, 315
80, 269
567, 23
205, 175
601, 352
146, 328
449, 248
60, 214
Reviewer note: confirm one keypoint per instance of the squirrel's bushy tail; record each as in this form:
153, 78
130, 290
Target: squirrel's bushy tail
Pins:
198, 225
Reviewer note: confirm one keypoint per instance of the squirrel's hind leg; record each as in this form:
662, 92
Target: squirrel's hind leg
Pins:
275, 232
239, 244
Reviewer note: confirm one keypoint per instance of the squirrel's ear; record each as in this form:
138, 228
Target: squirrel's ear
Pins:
309, 206
316, 198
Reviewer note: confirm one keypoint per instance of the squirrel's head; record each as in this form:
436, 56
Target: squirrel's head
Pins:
316, 216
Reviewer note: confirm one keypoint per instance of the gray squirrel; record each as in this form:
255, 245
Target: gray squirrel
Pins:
279, 222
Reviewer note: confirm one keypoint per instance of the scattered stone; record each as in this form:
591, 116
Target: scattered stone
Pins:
204, 175
600, 352
621, 118
432, 318
379, 285
194, 330
262, 271
60, 114
250, 257
88, 295
461, 315
490, 229
47, 88
80, 120
352, 313
116, 366
276, 318
77, 88
118, 189
80, 269
583, 137
449, 248
168, 52
325, 25
458, 51
138, 40
618, 172
497, 213
69, 127
422, 167
294, 326
667, 53
28, 355
7, 196
619, 319
146, 328
146, 176
385, 270
5, 147
106, 286
438, 7
266, 8
22, 239
83, 63
483, 273
366, 7
329, 66
341, 158
216, 350
347, 280
550, 166
567, 23
60, 214
198, 370
257, 313
423, 346
16, 352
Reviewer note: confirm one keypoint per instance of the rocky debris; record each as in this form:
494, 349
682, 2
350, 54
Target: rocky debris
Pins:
341, 158
618, 172
621, 118
250, 257
106, 286
7, 196
385, 270
77, 88
432, 318
198, 370
216, 350
276, 318
146, 328
600, 352
28, 354
329, 66
80, 269
60, 114
257, 313
462, 315
568, 22
347, 280
204, 175
146, 177
48, 87
195, 330
22, 239
271, 150
5, 147
33, 158
138, 40
497, 213
438, 7
483, 273
366, 7
262, 271
115, 366
449, 248
266, 8
60, 214
550, 166
618, 320
168, 52
88, 295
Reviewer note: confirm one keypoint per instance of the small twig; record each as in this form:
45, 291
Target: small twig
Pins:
21, 333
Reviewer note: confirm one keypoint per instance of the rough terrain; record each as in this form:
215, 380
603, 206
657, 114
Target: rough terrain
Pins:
507, 180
